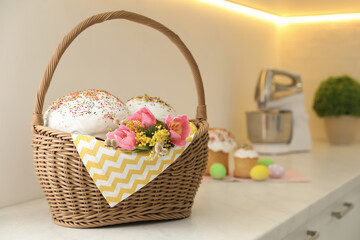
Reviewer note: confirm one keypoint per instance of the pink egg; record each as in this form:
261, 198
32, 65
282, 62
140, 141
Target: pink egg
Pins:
276, 171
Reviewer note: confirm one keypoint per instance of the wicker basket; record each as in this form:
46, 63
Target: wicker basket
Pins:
74, 199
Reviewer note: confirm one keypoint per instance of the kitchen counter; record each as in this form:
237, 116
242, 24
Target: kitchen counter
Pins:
222, 210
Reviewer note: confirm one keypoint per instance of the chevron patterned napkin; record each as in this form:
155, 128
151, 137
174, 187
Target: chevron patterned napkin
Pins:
117, 174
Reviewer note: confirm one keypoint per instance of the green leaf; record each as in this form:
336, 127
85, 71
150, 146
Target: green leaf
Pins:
130, 151
143, 148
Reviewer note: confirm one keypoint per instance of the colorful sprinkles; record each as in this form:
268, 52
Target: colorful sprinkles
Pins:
158, 107
149, 99
220, 134
88, 102
221, 140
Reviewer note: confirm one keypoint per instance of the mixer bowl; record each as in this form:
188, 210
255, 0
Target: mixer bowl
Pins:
269, 126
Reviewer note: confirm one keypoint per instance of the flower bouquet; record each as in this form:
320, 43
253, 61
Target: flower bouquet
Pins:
142, 132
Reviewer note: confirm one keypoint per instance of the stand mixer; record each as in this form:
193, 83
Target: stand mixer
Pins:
281, 124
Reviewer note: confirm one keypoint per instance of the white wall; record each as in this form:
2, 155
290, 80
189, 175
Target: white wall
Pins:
317, 51
125, 59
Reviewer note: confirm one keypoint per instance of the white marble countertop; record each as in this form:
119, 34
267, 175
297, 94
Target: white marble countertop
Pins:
223, 210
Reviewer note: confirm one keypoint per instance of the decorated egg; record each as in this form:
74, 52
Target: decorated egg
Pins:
276, 171
265, 161
259, 173
217, 171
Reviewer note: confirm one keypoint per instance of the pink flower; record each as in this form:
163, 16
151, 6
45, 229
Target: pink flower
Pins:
124, 137
179, 128
144, 116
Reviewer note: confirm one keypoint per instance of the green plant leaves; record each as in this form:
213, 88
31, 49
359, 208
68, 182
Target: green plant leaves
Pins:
338, 96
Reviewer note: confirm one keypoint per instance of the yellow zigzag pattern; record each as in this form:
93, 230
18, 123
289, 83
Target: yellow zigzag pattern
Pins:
143, 182
94, 151
140, 171
117, 189
106, 176
79, 138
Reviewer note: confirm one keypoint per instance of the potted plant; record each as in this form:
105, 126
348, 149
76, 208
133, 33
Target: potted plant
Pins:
338, 101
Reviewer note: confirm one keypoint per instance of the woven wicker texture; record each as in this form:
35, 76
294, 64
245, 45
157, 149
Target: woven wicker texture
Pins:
74, 199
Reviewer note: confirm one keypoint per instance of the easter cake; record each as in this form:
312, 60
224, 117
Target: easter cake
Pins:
157, 106
89, 112
221, 143
245, 159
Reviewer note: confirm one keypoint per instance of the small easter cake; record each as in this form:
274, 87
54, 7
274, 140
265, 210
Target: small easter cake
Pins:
157, 106
245, 159
221, 143
89, 112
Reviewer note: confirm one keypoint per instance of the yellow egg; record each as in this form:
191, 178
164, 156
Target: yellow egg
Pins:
259, 173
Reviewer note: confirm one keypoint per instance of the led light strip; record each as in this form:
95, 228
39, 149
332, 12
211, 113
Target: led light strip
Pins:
323, 18
244, 10
278, 19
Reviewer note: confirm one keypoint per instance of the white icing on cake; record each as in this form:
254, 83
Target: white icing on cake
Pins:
246, 153
221, 140
89, 112
158, 107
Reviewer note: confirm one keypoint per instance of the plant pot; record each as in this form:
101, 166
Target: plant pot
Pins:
341, 130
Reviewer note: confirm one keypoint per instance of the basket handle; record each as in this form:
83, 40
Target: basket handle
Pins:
37, 118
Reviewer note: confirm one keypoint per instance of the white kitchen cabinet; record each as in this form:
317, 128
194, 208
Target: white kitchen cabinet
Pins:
330, 227
298, 234
348, 227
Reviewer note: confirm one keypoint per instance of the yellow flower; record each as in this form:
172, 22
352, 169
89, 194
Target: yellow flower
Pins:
142, 139
162, 135
134, 126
